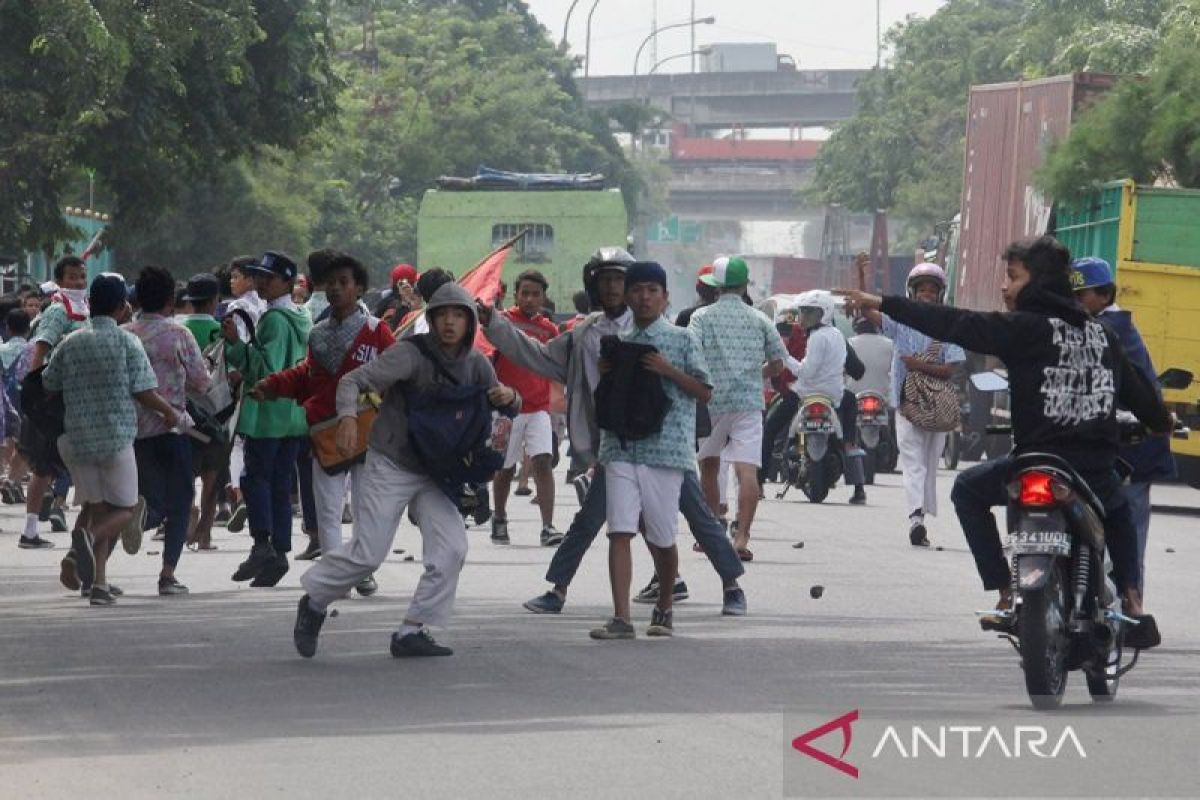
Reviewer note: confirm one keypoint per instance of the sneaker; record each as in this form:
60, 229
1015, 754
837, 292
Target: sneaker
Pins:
859, 498
661, 623
614, 629
85, 559
17, 492
171, 586
6, 494
85, 590
582, 483
312, 552
223, 514
36, 542
58, 520
101, 596
416, 644
735, 603
500, 531
237, 520
523, 491
307, 628
272, 572
917, 535
260, 556
367, 586
548, 603
551, 537
650, 593
131, 534
68, 572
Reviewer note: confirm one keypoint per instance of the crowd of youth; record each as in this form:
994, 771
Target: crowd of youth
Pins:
659, 418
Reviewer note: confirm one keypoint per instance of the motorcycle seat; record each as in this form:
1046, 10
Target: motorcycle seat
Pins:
1043, 461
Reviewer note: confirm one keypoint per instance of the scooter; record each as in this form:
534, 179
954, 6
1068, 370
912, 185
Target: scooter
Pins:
814, 457
873, 432
1066, 613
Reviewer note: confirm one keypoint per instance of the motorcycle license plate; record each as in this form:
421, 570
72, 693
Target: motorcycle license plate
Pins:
1041, 542
818, 427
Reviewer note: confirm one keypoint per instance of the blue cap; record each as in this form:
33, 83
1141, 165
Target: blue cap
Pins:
107, 293
1090, 272
645, 272
273, 263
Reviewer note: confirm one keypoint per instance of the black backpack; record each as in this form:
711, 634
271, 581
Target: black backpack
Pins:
449, 425
44, 409
631, 402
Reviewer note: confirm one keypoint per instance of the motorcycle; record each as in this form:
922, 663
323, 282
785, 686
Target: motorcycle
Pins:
874, 433
1066, 612
813, 459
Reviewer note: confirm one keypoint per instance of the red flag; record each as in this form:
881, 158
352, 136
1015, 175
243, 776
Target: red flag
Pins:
93, 246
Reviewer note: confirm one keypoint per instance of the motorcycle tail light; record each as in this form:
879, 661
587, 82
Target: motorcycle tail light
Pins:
869, 405
816, 411
1040, 489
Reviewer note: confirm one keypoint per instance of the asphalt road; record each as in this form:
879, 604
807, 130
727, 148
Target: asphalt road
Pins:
203, 696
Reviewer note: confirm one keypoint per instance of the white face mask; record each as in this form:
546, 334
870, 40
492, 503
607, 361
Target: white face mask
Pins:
75, 301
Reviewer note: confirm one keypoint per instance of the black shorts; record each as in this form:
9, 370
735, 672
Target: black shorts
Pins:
40, 452
211, 457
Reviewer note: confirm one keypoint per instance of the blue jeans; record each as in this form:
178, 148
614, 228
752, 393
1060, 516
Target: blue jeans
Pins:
267, 482
709, 532
977, 490
165, 479
1138, 495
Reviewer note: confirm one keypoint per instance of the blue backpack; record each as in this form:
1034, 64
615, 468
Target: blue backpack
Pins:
449, 425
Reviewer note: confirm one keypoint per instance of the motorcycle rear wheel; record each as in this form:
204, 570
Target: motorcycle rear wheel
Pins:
1042, 630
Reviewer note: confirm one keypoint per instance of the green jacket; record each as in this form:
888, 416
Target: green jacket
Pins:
280, 341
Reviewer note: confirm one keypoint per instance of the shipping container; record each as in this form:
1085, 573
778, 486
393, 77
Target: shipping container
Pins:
740, 57
1150, 236
1009, 128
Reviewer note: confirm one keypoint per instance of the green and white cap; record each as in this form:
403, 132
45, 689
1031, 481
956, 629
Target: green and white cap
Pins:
727, 273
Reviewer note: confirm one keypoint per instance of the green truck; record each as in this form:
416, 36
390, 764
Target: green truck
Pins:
1150, 236
458, 227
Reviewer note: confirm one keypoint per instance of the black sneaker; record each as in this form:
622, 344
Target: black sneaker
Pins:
481, 513
499, 532
416, 644
101, 596
85, 559
58, 520
68, 572
35, 543
260, 556
272, 572
551, 536
223, 514
308, 627
582, 484
917, 536
7, 495
650, 593
661, 623
312, 552
367, 586
859, 498
237, 520
168, 587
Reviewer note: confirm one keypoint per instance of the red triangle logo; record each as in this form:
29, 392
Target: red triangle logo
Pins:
843, 723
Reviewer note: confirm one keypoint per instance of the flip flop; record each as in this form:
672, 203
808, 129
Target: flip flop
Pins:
744, 554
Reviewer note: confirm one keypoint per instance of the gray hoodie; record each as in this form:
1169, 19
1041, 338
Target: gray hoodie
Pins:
404, 363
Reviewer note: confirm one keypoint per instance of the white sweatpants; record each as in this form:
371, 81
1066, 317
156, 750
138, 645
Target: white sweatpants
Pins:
329, 496
384, 490
920, 452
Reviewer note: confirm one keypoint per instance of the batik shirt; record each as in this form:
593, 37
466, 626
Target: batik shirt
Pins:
98, 369
178, 365
737, 340
54, 323
675, 446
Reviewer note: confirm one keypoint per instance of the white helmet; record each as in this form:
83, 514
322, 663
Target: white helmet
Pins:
817, 298
927, 272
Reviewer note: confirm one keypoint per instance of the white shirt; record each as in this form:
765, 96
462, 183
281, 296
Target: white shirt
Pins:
875, 351
822, 370
604, 326
253, 305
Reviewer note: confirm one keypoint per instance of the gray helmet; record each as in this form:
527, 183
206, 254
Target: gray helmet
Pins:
614, 258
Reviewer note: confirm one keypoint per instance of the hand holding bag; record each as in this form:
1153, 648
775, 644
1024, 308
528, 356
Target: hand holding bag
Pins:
930, 403
324, 438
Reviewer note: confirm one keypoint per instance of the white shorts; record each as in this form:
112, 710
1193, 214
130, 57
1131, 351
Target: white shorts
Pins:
114, 481
736, 437
532, 434
651, 493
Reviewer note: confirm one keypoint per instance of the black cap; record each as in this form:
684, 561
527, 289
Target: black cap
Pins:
107, 293
273, 263
204, 286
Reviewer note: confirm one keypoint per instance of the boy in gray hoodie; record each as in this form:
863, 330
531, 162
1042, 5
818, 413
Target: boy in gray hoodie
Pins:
393, 477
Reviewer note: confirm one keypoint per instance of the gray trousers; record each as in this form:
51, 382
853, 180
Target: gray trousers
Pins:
384, 489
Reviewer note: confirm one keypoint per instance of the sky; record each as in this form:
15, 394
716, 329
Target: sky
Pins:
819, 34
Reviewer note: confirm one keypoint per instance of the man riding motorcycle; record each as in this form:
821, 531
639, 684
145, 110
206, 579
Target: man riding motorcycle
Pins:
1066, 375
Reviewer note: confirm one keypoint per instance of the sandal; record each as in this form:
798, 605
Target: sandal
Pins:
696, 548
744, 554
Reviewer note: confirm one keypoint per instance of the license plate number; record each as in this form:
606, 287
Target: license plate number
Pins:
1056, 542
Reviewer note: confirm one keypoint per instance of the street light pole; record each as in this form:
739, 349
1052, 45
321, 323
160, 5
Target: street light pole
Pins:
709, 20
702, 51
567, 25
587, 52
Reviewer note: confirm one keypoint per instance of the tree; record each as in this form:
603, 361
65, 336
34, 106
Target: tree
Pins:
149, 96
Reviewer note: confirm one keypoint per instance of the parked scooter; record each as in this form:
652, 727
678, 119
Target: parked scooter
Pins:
1066, 613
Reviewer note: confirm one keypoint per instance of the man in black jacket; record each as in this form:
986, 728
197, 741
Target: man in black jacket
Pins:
1067, 373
